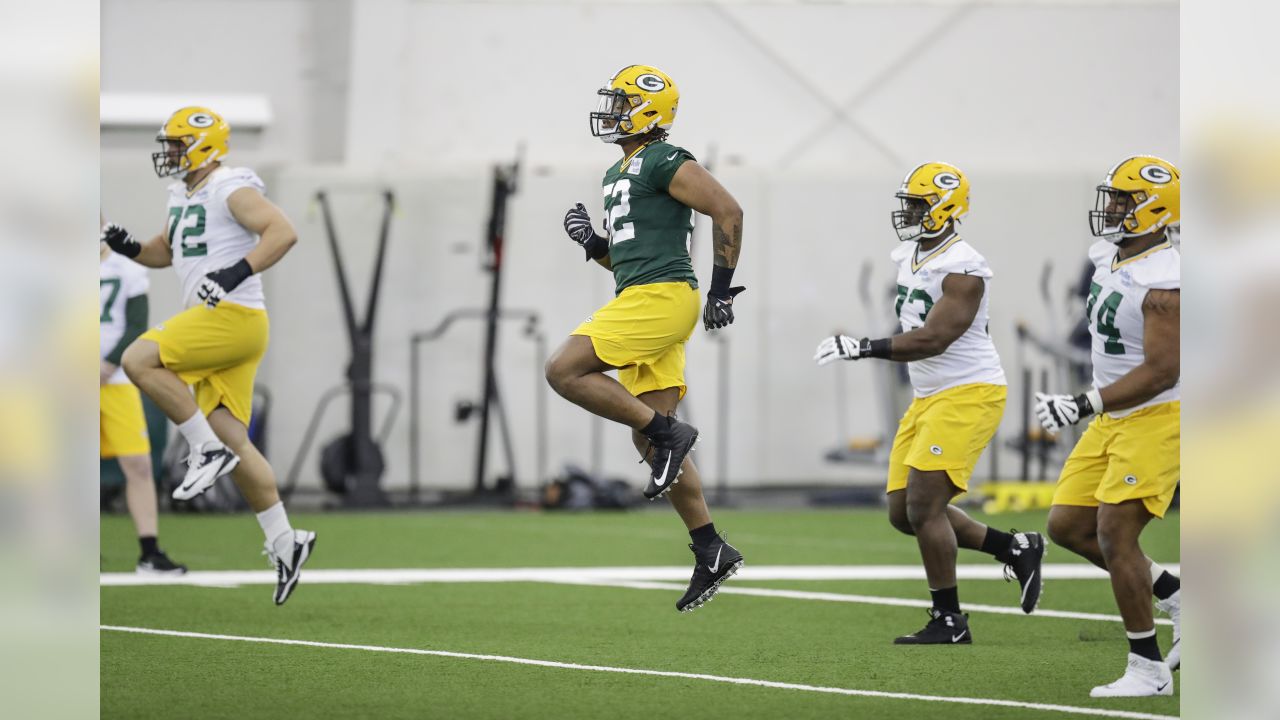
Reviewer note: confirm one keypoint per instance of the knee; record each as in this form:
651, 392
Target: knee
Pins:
1114, 538
899, 520
135, 361
919, 511
557, 373
1063, 533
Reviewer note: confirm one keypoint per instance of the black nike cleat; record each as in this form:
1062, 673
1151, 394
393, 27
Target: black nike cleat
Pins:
712, 565
289, 568
944, 628
158, 563
666, 459
1022, 562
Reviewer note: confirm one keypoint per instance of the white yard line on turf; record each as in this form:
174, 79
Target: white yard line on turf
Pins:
991, 702
657, 573
734, 589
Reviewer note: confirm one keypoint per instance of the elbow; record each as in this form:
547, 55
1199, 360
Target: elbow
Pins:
729, 213
933, 345
1165, 379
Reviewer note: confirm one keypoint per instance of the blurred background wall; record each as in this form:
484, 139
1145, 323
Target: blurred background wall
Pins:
809, 113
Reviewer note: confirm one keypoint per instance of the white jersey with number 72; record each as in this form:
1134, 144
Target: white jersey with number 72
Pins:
204, 236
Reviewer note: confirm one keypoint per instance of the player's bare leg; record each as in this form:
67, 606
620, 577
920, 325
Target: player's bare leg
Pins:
287, 549
578, 375
209, 458
928, 494
1119, 528
140, 493
253, 476
1075, 528
969, 532
141, 362
1021, 552
686, 497
140, 497
714, 559
575, 372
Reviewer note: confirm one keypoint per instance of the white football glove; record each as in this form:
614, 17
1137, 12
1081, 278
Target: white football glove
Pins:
210, 292
841, 347
1059, 411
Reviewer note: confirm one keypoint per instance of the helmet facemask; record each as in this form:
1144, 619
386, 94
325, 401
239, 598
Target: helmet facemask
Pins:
173, 159
914, 222
613, 117
1114, 212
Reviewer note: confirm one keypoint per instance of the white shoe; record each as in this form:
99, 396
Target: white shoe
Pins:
1172, 606
1142, 678
207, 463
288, 558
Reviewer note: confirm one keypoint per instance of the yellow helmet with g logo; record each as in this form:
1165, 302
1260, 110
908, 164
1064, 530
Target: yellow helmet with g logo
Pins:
190, 139
636, 100
932, 195
1140, 195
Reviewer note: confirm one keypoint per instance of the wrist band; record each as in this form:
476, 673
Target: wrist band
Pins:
882, 348
720, 279
1093, 397
596, 248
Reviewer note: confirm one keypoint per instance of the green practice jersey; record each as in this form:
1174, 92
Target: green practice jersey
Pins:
649, 230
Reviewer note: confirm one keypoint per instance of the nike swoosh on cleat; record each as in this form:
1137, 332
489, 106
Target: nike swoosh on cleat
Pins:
1162, 687
714, 568
662, 479
958, 638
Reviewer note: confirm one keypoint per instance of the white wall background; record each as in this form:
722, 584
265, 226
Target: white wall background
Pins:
810, 112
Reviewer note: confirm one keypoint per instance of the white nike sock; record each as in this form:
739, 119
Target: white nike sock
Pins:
197, 431
275, 526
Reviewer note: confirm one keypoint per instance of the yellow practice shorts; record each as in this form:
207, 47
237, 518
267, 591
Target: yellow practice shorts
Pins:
217, 351
946, 431
1135, 457
122, 426
642, 332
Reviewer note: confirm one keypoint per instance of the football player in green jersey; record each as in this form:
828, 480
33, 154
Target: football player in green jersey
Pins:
649, 199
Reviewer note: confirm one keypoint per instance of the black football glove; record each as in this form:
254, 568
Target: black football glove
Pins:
577, 224
718, 312
120, 241
218, 284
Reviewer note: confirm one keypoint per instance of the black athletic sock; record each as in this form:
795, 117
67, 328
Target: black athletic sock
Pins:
658, 425
1165, 585
997, 543
1145, 645
947, 599
705, 535
149, 545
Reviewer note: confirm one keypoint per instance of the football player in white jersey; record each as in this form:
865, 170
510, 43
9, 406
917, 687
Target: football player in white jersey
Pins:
122, 426
220, 234
960, 394
1125, 468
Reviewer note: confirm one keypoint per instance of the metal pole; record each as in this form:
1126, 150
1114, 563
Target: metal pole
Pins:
414, 409
722, 424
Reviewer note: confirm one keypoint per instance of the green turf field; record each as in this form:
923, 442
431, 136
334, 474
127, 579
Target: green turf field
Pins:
803, 640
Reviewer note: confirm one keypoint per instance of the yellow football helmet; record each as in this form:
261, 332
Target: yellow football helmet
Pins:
1140, 195
933, 195
190, 139
636, 100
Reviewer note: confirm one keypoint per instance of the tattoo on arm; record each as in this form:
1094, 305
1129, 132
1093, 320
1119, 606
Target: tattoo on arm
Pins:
727, 242
1163, 302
